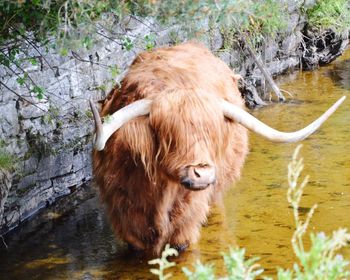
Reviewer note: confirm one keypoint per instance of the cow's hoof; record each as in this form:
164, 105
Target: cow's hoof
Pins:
135, 250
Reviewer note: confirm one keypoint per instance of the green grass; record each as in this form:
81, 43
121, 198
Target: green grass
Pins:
6, 161
333, 14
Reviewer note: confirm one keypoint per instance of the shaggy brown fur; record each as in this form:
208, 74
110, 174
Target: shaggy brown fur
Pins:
138, 170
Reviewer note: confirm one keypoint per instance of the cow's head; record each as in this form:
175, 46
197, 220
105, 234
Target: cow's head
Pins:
189, 132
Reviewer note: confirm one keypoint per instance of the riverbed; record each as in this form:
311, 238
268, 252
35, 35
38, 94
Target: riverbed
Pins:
254, 215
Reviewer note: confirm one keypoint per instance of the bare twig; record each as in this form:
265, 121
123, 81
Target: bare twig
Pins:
109, 38
20, 68
286, 91
38, 51
21, 97
142, 22
77, 57
3, 241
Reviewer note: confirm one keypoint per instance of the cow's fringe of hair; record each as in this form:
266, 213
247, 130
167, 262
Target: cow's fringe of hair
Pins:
141, 136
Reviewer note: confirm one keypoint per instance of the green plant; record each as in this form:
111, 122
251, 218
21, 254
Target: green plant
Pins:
127, 44
149, 42
238, 267
258, 18
321, 261
330, 14
33, 24
6, 160
201, 272
163, 263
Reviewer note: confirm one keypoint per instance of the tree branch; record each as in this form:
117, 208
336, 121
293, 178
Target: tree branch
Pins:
21, 97
262, 67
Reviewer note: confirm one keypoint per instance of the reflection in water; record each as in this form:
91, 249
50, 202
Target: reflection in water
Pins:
255, 214
340, 74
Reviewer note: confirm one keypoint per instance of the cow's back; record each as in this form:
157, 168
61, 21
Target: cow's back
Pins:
188, 66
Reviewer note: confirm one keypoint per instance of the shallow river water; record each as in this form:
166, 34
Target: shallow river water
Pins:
255, 213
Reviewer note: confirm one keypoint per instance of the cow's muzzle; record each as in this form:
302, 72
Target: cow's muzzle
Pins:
198, 177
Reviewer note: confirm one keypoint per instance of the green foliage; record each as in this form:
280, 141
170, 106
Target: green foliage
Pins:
238, 267
127, 44
258, 18
320, 262
149, 42
163, 263
201, 272
6, 160
107, 119
46, 17
114, 71
39, 91
333, 14
72, 22
22, 79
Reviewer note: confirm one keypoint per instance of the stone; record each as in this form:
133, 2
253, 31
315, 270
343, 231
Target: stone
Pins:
81, 160
31, 111
216, 41
55, 165
34, 201
5, 186
292, 23
309, 3
271, 50
9, 119
28, 181
11, 220
290, 44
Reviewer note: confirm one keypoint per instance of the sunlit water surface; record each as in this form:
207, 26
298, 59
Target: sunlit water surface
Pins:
255, 214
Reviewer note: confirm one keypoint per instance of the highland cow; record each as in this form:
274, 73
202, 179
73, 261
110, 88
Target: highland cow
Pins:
175, 138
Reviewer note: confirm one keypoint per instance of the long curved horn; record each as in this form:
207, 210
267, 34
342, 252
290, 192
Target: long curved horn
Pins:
239, 115
116, 120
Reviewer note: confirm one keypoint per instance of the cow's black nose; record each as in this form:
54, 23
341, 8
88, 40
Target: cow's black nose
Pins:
198, 177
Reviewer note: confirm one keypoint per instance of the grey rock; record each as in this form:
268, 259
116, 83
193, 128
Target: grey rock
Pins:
271, 51
292, 23
28, 181
28, 111
34, 201
55, 165
309, 3
5, 186
16, 146
216, 40
290, 44
81, 160
9, 119
225, 56
29, 166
